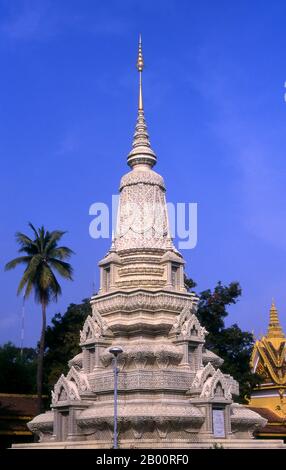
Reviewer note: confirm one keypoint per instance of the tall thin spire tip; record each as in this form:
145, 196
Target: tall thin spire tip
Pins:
140, 62
141, 149
274, 327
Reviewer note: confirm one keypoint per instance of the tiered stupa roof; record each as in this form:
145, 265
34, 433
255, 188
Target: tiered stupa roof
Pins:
269, 353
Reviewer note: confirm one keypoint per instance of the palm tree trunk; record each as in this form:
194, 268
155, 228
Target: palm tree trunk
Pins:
41, 359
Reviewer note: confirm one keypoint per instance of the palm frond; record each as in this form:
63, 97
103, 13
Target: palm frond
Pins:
54, 237
14, 262
34, 230
64, 269
61, 252
42, 236
30, 250
55, 289
47, 283
23, 239
30, 272
29, 288
44, 276
37, 241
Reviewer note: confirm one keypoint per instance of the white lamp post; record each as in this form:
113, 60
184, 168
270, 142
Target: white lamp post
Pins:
115, 350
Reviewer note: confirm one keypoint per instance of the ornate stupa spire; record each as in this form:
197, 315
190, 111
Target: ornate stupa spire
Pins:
141, 152
140, 66
274, 327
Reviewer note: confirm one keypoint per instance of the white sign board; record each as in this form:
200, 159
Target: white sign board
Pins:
218, 423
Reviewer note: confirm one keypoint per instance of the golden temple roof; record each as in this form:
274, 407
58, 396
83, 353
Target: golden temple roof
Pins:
269, 353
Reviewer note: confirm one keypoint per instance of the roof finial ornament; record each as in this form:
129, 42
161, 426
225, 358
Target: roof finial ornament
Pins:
140, 66
141, 152
274, 327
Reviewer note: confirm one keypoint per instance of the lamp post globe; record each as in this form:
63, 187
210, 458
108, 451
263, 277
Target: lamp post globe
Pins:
115, 350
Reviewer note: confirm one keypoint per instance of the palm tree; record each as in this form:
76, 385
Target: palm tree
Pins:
42, 257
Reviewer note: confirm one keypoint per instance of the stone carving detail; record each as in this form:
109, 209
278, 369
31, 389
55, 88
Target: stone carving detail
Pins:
143, 412
182, 318
138, 426
234, 385
141, 270
188, 325
210, 389
209, 356
192, 327
144, 379
65, 390
244, 421
80, 378
163, 427
94, 328
202, 375
162, 359
141, 283
142, 216
140, 355
151, 302
42, 425
140, 358
76, 361
212, 383
146, 177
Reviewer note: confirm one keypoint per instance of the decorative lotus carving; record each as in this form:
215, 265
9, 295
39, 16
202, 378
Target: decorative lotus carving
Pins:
245, 421
141, 354
42, 425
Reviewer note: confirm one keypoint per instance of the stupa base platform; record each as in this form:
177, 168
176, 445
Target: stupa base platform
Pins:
168, 444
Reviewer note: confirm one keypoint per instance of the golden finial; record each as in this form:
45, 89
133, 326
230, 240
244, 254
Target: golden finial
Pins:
274, 328
140, 65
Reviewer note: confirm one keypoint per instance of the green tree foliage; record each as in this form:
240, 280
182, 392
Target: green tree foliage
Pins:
42, 258
189, 283
232, 344
17, 371
212, 309
62, 341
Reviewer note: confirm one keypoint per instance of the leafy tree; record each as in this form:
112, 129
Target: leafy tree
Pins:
42, 257
62, 341
232, 344
212, 309
18, 371
189, 283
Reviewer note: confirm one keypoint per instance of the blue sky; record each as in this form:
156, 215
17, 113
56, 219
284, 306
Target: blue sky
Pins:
214, 103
